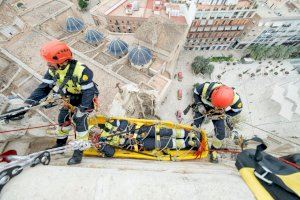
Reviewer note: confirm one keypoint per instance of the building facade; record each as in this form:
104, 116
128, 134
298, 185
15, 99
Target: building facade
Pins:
218, 23
124, 16
273, 25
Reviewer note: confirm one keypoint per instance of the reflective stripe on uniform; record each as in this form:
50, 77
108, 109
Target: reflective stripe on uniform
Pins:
180, 133
88, 86
108, 125
84, 135
236, 110
236, 98
63, 132
195, 91
61, 137
73, 88
31, 100
47, 81
204, 98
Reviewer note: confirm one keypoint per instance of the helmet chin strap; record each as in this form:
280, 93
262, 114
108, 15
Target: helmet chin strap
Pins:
63, 65
57, 66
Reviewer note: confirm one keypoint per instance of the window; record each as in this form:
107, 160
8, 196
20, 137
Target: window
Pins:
242, 14
203, 22
250, 14
227, 15
220, 28
235, 14
200, 29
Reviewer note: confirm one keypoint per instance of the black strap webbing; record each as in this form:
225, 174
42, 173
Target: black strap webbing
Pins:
68, 76
210, 89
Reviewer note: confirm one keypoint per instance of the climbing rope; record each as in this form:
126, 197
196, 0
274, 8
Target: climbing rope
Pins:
28, 128
271, 133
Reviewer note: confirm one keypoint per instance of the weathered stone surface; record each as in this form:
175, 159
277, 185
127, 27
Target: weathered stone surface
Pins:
28, 121
3, 103
134, 101
21, 146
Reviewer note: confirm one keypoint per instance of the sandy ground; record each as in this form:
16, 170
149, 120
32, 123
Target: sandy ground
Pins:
127, 179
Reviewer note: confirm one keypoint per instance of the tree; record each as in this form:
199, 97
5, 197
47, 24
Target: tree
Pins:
202, 65
259, 52
82, 4
296, 52
271, 51
289, 51
256, 51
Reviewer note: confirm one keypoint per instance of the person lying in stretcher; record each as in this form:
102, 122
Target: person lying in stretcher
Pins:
121, 134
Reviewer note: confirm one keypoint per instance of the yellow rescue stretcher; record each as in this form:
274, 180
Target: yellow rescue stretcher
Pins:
165, 154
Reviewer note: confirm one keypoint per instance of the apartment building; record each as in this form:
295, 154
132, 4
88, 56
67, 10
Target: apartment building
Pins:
276, 23
126, 16
217, 24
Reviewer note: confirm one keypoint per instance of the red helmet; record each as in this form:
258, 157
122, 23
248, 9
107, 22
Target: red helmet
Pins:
222, 97
56, 52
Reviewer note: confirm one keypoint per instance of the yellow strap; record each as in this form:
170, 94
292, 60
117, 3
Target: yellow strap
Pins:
236, 98
204, 91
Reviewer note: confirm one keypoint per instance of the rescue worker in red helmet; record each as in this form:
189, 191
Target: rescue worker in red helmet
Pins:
71, 79
214, 98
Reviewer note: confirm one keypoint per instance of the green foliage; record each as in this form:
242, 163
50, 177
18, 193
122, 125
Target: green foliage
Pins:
296, 53
202, 65
259, 52
221, 59
82, 4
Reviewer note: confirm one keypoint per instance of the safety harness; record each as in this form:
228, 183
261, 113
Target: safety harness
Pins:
69, 76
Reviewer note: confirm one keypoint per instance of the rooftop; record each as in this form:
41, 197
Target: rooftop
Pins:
140, 9
278, 9
7, 15
161, 32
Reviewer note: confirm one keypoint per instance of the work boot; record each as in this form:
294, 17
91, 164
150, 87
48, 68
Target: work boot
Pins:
76, 158
213, 157
59, 143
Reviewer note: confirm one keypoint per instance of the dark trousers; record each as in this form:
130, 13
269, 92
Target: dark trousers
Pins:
65, 116
218, 124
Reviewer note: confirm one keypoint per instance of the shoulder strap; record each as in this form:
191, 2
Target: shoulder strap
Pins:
68, 76
210, 89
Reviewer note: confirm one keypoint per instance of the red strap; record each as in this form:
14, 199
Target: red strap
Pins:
200, 149
290, 163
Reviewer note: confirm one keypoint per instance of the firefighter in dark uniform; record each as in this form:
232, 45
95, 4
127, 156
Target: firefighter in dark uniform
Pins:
74, 81
213, 98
